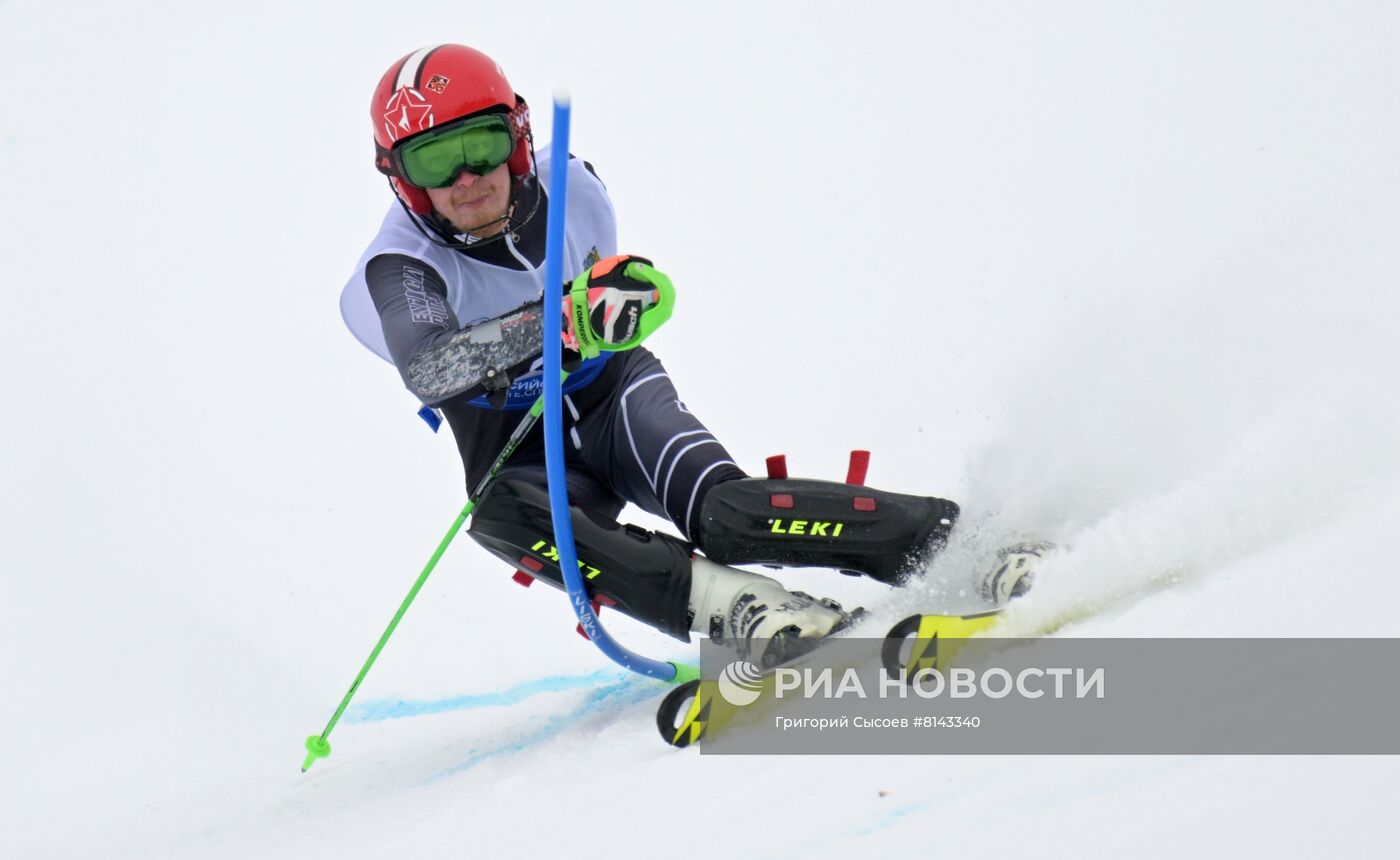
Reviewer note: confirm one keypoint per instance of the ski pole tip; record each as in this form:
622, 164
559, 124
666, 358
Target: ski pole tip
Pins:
316, 747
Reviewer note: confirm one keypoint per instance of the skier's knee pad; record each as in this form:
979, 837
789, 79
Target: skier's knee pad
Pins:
822, 524
646, 574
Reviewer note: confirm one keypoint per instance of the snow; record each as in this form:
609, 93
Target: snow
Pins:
1122, 273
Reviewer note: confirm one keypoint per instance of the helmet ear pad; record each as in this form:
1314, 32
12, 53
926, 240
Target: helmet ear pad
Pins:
414, 197
519, 162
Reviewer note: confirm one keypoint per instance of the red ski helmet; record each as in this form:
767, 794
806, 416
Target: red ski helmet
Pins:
434, 86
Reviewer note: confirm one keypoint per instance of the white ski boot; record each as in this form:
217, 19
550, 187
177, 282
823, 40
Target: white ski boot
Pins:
763, 621
1013, 572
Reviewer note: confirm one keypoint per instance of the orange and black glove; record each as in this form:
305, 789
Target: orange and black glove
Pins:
615, 304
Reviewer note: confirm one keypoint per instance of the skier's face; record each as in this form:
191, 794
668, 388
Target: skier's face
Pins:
475, 204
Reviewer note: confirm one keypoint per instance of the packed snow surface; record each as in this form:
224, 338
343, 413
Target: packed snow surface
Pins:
1119, 274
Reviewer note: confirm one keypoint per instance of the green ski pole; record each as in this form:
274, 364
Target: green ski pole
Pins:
317, 746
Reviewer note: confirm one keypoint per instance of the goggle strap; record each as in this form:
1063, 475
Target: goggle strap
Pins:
519, 119
384, 161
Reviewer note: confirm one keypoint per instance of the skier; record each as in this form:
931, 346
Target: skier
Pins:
454, 272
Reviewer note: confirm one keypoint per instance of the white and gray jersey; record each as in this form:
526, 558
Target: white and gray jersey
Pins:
445, 290
413, 302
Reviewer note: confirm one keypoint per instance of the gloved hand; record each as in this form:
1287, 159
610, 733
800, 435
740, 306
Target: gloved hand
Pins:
614, 304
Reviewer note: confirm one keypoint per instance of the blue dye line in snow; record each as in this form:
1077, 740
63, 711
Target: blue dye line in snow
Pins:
889, 819
627, 689
376, 710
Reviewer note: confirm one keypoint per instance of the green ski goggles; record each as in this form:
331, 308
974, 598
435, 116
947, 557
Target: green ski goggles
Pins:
434, 159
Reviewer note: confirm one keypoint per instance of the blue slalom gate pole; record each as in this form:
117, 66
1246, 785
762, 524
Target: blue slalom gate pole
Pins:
553, 412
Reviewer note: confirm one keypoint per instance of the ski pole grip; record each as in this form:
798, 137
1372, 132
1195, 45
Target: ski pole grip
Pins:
590, 344
656, 315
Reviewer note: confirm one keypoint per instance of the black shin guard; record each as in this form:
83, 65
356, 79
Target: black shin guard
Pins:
822, 524
646, 574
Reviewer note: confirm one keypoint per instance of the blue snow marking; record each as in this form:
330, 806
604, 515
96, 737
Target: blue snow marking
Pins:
627, 689
889, 819
377, 710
